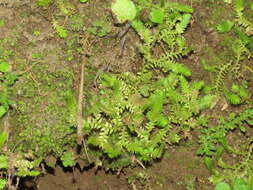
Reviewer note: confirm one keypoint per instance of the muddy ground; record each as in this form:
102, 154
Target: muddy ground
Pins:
48, 63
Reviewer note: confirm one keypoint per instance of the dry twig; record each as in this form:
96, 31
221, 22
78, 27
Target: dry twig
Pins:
80, 108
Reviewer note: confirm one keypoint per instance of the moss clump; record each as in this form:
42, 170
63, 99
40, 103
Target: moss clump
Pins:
44, 120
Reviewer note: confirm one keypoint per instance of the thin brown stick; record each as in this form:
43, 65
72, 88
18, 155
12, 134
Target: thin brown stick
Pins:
80, 108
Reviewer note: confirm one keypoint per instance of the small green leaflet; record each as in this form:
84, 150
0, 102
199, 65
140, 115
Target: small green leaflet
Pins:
180, 7
240, 184
3, 183
68, 159
222, 186
239, 5
3, 162
2, 111
208, 163
43, 3
83, 1
251, 6
3, 138
61, 32
157, 16
4, 67
124, 10
181, 26
225, 26
24, 173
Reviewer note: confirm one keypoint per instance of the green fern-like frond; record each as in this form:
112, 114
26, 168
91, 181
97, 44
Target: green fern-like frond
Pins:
179, 7
241, 19
206, 101
221, 76
232, 98
184, 85
155, 104
244, 22
181, 26
239, 5
142, 31
211, 137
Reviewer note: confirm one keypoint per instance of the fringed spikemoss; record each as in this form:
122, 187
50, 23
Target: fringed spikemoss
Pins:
214, 145
167, 36
233, 69
241, 18
134, 116
242, 52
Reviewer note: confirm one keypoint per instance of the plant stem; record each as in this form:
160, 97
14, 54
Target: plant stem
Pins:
80, 108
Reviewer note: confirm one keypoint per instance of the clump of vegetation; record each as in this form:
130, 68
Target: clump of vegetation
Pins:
214, 144
128, 122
